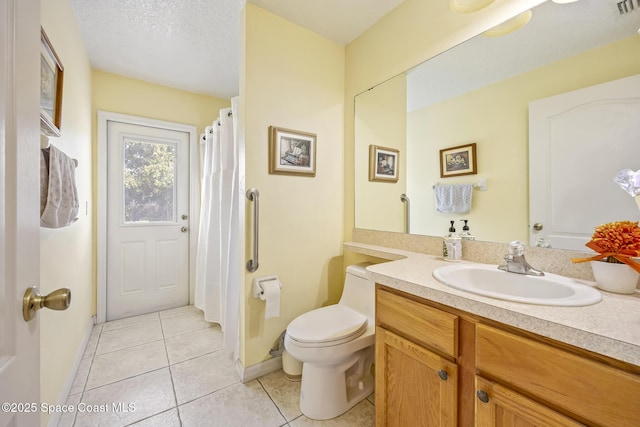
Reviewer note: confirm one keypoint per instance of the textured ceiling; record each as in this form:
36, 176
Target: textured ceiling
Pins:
194, 44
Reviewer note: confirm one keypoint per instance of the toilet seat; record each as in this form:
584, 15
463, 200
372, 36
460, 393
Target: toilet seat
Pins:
327, 326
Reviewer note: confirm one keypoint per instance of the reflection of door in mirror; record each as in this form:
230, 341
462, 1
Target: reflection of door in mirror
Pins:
581, 140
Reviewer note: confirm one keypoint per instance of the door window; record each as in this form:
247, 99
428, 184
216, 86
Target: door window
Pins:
149, 181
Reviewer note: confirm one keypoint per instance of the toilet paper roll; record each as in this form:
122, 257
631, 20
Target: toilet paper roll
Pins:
271, 294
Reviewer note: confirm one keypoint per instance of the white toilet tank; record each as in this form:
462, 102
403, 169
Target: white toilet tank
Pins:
359, 292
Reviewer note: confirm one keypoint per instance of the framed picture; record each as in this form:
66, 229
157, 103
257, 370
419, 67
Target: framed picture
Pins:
459, 160
292, 152
51, 78
383, 163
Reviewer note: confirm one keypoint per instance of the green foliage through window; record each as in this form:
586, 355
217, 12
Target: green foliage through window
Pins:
149, 181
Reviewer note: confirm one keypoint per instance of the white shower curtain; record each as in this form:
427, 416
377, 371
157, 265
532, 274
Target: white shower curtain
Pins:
217, 257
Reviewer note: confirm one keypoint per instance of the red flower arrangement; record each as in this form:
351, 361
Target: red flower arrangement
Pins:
617, 242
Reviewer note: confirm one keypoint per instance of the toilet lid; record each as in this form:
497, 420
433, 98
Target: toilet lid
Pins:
327, 325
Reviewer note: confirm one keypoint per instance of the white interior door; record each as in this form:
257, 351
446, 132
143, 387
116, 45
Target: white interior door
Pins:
19, 201
147, 219
578, 142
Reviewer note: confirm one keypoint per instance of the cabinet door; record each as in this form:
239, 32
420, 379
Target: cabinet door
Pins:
414, 387
601, 394
499, 406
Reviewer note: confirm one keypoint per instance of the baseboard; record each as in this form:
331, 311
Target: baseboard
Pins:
255, 371
64, 395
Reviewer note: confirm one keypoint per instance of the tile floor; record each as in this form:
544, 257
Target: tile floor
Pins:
167, 369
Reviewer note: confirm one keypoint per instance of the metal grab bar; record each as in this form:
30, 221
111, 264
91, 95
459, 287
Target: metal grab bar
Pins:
254, 195
407, 212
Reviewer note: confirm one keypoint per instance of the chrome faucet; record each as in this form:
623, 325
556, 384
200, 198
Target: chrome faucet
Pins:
515, 262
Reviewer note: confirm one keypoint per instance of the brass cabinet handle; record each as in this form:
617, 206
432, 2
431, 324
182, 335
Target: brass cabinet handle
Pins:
537, 226
483, 396
443, 374
57, 300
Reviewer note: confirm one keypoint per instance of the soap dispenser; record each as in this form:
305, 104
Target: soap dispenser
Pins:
452, 245
466, 233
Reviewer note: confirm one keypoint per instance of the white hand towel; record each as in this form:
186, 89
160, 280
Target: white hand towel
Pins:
61, 208
454, 198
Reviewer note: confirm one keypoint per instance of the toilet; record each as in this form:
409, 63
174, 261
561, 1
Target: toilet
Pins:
335, 345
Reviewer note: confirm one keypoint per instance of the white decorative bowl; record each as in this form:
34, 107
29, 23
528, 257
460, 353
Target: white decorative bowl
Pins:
614, 277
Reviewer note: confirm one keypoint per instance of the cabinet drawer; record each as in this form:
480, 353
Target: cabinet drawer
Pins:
591, 390
417, 322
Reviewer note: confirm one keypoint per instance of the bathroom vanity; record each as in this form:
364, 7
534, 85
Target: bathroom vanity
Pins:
447, 357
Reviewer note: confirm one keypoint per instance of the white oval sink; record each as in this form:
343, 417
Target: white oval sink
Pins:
487, 280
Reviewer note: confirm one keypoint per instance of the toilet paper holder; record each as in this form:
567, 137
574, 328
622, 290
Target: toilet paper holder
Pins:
258, 289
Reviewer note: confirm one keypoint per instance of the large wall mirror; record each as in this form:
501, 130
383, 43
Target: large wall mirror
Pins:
482, 92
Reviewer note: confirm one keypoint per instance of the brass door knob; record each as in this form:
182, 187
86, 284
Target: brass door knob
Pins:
57, 300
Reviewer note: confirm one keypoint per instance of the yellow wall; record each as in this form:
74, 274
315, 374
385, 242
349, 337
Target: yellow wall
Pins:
501, 131
291, 78
118, 94
381, 120
413, 32
65, 253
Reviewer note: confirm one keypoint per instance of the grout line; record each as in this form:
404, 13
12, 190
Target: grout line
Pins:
151, 416
127, 348
273, 401
173, 386
124, 326
86, 380
127, 378
93, 358
209, 394
195, 357
192, 330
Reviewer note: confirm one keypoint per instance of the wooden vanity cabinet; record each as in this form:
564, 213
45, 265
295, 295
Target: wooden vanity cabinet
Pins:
416, 373
496, 375
421, 388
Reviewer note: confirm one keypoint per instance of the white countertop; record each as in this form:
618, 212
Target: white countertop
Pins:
610, 327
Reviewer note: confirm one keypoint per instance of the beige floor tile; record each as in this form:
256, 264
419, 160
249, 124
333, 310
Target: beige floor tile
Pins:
92, 343
143, 396
118, 365
285, 393
203, 375
241, 405
128, 321
205, 380
81, 377
372, 398
193, 344
183, 323
361, 415
129, 336
187, 309
67, 418
166, 419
